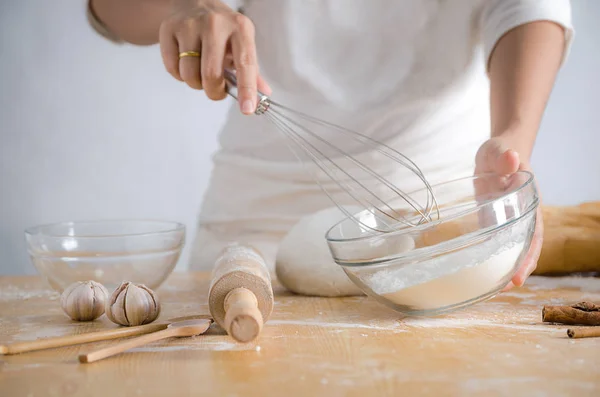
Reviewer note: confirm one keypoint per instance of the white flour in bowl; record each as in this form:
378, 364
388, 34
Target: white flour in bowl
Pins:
452, 278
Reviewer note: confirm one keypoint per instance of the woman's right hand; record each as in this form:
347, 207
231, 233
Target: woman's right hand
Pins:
224, 38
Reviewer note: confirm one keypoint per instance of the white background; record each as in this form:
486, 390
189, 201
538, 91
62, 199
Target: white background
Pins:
90, 130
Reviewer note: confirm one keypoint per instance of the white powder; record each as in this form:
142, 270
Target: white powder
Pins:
464, 284
215, 345
317, 323
461, 323
452, 278
14, 293
584, 284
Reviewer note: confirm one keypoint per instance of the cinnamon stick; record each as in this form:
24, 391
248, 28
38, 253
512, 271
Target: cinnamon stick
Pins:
582, 313
587, 332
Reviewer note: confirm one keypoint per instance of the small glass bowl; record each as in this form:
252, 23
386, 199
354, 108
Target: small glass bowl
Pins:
109, 252
467, 255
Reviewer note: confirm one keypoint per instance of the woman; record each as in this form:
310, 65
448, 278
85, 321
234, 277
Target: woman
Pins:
456, 85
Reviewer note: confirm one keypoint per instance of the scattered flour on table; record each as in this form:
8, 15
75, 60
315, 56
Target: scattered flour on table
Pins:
315, 323
584, 284
14, 293
205, 345
452, 278
466, 323
30, 332
404, 325
17, 367
492, 385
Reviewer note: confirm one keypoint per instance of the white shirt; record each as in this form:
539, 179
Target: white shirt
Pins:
411, 73
408, 69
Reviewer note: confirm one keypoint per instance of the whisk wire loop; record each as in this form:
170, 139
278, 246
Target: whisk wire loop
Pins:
290, 123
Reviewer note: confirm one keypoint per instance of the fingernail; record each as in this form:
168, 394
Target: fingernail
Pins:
247, 106
509, 286
518, 281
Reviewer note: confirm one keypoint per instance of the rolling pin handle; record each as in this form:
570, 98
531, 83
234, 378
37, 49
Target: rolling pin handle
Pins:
243, 319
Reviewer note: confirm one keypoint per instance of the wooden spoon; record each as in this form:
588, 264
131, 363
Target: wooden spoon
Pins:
71, 340
175, 330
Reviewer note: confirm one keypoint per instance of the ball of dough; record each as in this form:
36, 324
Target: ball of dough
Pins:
304, 264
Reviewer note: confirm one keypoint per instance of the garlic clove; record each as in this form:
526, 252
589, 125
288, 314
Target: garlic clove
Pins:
84, 300
133, 304
140, 307
115, 306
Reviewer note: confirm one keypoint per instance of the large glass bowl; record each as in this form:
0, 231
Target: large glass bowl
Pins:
467, 255
109, 252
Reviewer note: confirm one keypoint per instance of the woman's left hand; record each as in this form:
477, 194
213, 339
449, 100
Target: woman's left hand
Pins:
499, 156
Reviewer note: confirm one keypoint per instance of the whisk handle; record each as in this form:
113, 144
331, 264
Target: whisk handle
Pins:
264, 102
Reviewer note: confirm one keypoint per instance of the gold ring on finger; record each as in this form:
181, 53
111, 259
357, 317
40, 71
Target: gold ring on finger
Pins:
189, 54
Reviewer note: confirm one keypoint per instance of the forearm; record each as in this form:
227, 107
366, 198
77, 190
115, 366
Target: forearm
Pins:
133, 21
523, 69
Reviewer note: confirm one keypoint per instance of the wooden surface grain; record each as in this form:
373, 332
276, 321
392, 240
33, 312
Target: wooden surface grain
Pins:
313, 346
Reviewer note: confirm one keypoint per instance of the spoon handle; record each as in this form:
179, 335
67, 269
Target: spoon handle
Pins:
70, 340
126, 345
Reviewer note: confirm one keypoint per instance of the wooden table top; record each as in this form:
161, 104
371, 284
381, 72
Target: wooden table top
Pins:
313, 346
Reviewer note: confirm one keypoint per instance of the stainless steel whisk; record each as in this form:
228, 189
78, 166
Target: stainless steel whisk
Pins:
341, 167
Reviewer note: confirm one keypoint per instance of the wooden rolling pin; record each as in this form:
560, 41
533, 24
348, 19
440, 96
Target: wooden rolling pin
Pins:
571, 238
240, 298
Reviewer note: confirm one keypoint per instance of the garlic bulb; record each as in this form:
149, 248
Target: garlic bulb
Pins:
84, 300
132, 304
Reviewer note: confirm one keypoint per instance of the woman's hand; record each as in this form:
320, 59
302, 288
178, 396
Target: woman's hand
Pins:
497, 155
522, 69
224, 38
